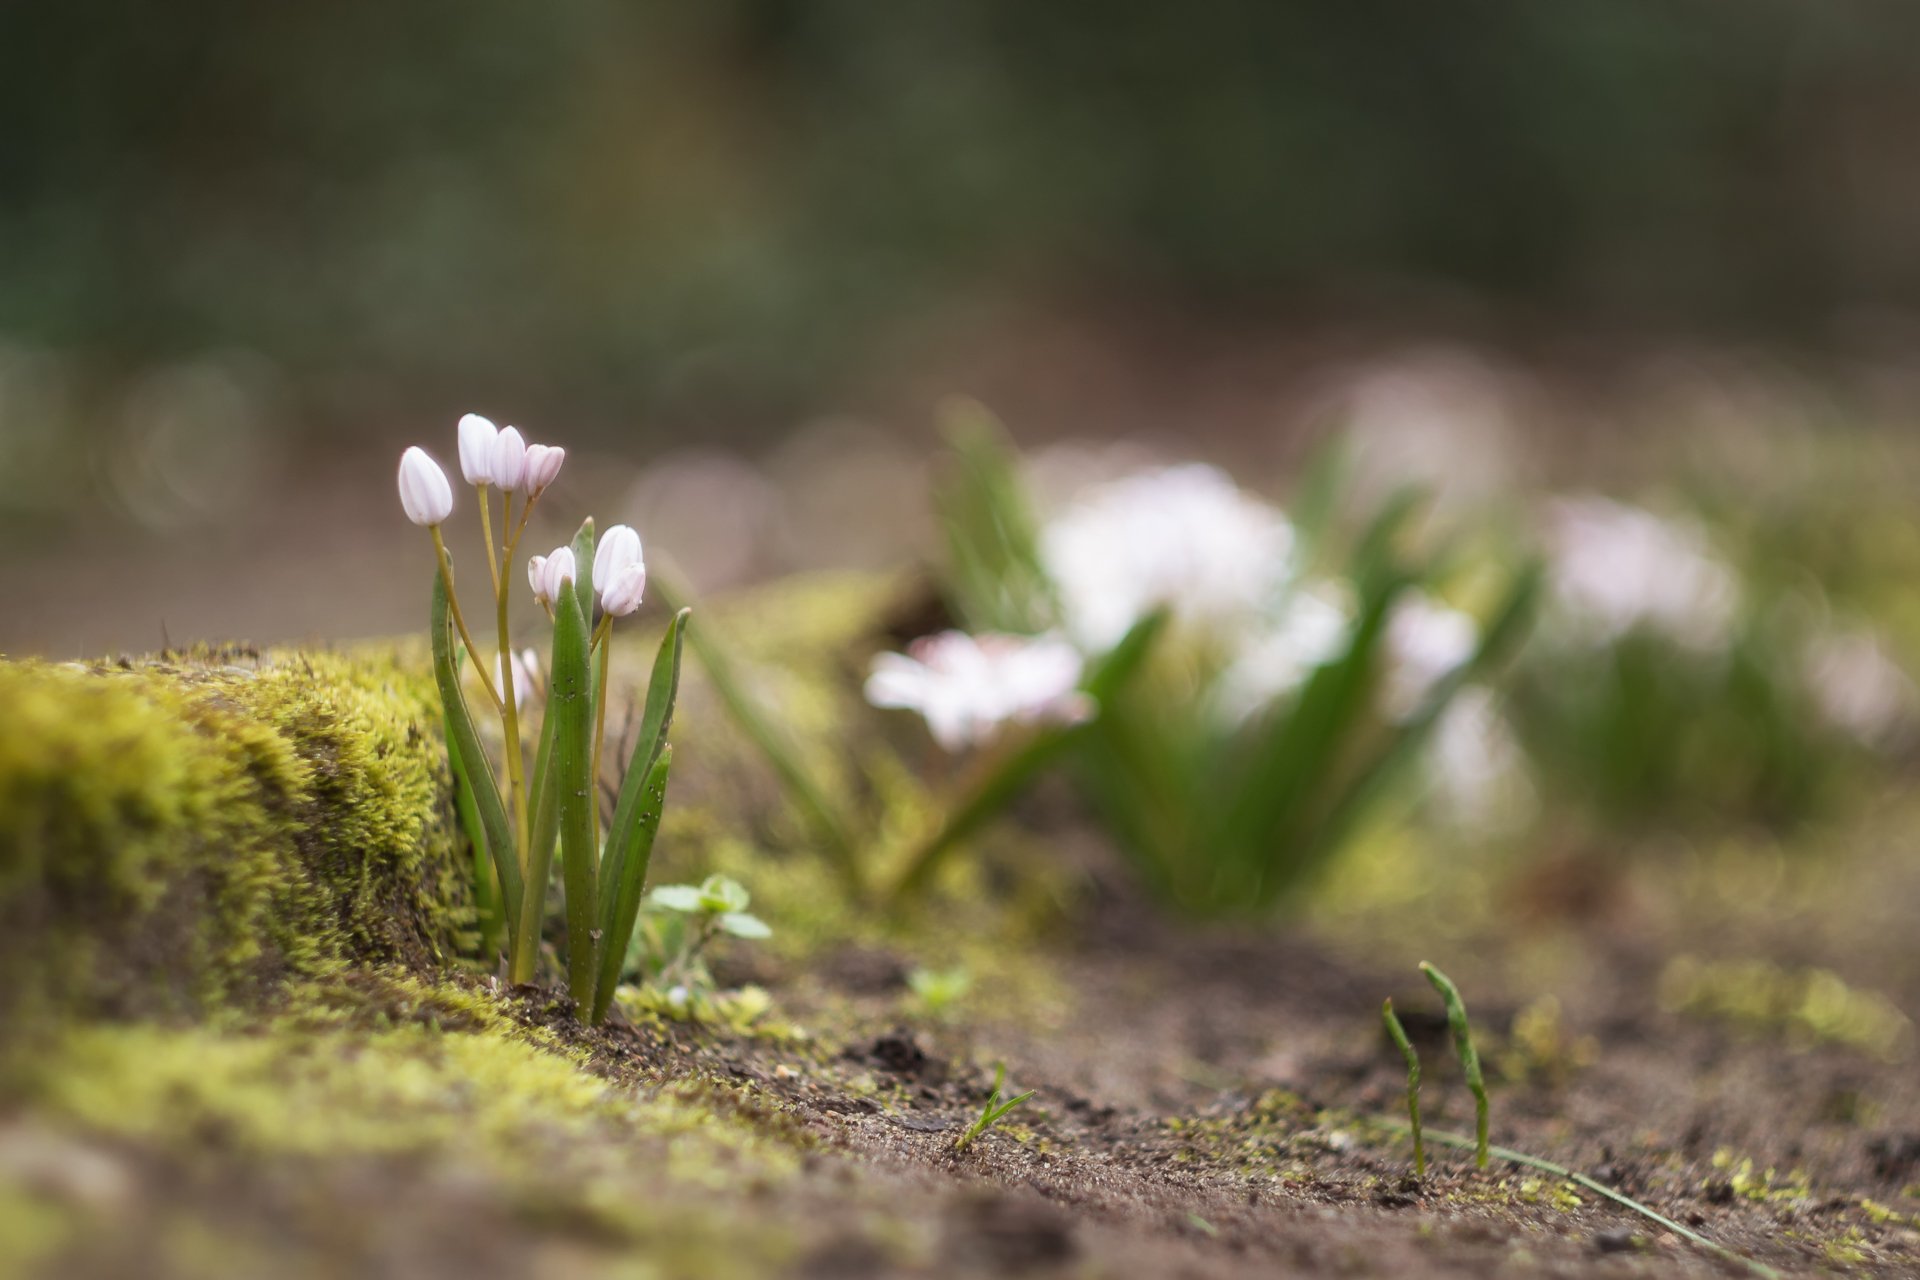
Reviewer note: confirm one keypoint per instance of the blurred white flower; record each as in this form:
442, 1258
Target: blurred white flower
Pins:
537, 578
543, 467
477, 436
968, 687
509, 464
526, 675
1858, 686
1426, 641
1615, 568
1183, 536
1477, 766
1311, 629
425, 495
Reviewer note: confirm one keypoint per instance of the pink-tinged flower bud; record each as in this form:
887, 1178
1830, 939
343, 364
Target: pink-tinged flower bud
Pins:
618, 548
557, 570
477, 435
622, 595
425, 495
509, 467
543, 465
537, 579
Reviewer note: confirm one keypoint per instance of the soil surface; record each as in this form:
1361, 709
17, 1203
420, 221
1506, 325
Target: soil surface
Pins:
1208, 1103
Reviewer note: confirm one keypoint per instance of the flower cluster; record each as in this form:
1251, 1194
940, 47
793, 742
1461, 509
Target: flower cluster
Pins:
553, 804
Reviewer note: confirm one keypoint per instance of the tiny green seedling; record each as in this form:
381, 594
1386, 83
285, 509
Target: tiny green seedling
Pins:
1469, 1057
993, 1112
939, 990
1470, 1064
1398, 1034
695, 916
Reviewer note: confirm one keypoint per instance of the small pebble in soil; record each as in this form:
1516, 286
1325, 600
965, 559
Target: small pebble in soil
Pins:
1615, 1242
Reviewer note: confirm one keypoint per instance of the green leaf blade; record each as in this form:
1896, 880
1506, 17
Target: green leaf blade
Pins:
492, 814
634, 858
571, 707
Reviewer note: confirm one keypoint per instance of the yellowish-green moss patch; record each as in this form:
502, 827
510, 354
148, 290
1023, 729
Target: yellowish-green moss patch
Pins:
180, 832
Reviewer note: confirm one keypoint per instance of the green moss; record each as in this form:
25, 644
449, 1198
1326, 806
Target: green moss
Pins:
185, 831
1808, 1006
384, 1075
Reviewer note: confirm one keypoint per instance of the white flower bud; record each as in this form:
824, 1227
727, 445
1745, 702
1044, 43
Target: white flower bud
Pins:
425, 495
477, 435
618, 548
526, 670
622, 595
543, 465
537, 579
557, 570
509, 467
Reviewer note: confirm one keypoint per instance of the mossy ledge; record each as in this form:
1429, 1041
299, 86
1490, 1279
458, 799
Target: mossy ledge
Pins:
194, 828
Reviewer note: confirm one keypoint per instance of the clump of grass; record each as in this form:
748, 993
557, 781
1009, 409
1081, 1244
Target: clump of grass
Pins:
993, 1112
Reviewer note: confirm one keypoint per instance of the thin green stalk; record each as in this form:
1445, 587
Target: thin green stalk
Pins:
459, 619
486, 533
1469, 1057
510, 710
1398, 1034
1461, 1142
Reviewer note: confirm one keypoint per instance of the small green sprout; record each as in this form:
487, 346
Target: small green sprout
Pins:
683, 920
1398, 1034
993, 1112
938, 990
1469, 1058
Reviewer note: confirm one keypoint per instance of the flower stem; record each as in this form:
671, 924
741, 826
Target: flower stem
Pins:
603, 638
486, 533
509, 710
453, 601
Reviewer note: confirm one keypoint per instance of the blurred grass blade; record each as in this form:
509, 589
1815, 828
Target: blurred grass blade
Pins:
993, 539
806, 795
571, 707
663, 690
495, 827
631, 856
1316, 496
1497, 643
1258, 841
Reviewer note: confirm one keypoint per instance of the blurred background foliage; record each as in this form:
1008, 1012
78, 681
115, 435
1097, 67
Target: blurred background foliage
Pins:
720, 209
249, 251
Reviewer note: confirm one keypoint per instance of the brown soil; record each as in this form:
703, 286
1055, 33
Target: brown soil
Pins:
1208, 1104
